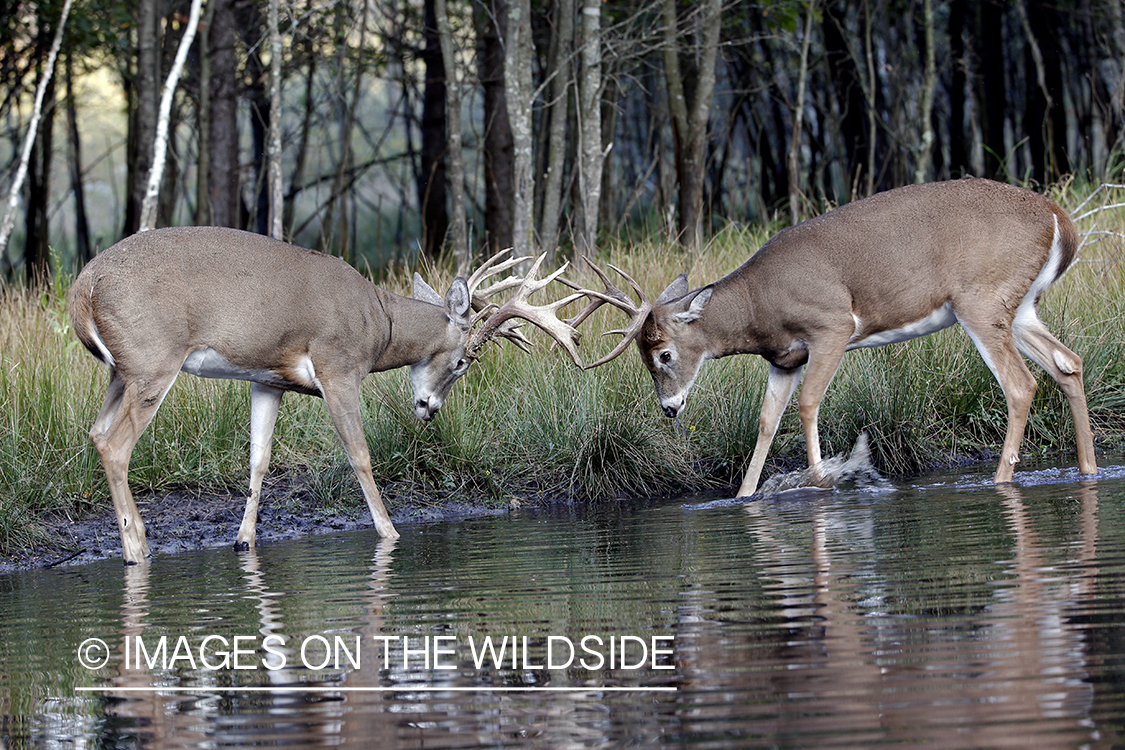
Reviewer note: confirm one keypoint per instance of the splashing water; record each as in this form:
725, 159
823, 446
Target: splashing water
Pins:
852, 471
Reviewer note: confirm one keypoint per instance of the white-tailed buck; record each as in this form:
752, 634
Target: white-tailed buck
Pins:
222, 303
889, 268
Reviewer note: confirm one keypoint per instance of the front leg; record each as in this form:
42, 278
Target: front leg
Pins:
264, 404
342, 400
779, 389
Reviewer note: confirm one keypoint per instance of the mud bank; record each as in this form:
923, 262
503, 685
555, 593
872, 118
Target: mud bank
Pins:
190, 519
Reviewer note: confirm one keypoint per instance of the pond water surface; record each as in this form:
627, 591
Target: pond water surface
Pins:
941, 613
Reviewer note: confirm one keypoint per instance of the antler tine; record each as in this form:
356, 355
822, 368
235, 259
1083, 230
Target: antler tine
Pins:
502, 321
490, 268
638, 313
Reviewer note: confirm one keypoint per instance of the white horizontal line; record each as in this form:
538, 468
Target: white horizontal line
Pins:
344, 689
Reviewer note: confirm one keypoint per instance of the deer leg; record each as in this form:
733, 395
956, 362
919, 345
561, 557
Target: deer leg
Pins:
822, 366
343, 405
127, 411
997, 346
1037, 344
780, 386
264, 404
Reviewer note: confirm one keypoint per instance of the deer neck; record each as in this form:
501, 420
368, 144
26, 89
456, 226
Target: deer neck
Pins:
416, 331
727, 324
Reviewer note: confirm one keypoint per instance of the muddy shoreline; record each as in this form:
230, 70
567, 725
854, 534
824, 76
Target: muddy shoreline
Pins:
185, 519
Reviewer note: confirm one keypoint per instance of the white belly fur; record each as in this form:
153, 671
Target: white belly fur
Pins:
208, 363
940, 318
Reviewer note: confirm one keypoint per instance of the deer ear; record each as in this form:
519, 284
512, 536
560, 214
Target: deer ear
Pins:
424, 292
693, 306
678, 288
457, 300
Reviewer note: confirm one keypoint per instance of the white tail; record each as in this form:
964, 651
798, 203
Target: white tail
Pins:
222, 303
892, 267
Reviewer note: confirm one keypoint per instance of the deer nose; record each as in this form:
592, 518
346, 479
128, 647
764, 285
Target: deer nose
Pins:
673, 407
424, 410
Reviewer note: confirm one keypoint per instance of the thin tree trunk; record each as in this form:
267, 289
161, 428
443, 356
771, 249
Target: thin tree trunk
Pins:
432, 177
274, 151
160, 144
224, 195
690, 119
83, 249
590, 126
556, 141
497, 140
519, 93
203, 168
458, 228
142, 136
794, 160
29, 139
926, 100
869, 94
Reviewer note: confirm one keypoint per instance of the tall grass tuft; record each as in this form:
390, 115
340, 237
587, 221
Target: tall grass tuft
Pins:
534, 426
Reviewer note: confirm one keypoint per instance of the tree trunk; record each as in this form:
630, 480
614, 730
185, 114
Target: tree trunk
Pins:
203, 168
458, 227
223, 194
37, 255
274, 149
41, 93
431, 184
926, 100
794, 160
518, 93
993, 98
491, 20
558, 112
590, 127
958, 143
690, 118
843, 67
146, 96
83, 247
160, 142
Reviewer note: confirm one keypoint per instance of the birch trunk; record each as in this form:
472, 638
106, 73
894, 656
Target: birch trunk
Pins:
29, 139
160, 143
590, 126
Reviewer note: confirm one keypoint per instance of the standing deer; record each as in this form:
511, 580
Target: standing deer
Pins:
222, 303
888, 268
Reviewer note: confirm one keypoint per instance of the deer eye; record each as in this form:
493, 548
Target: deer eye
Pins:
665, 357
461, 367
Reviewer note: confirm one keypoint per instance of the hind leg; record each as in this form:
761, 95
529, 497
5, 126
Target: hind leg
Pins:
996, 345
129, 407
1038, 345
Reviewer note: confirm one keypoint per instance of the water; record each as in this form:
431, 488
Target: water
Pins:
940, 613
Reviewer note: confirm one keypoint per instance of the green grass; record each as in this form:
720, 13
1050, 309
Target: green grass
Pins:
534, 426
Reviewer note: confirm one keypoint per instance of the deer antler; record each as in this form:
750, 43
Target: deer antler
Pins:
505, 320
614, 296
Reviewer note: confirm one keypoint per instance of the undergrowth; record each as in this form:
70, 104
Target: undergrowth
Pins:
520, 426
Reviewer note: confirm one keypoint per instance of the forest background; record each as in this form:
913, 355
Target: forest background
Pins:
539, 122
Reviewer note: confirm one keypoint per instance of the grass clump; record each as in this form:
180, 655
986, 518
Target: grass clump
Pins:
534, 426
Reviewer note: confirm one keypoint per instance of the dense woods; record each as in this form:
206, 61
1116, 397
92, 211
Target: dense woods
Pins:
411, 127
